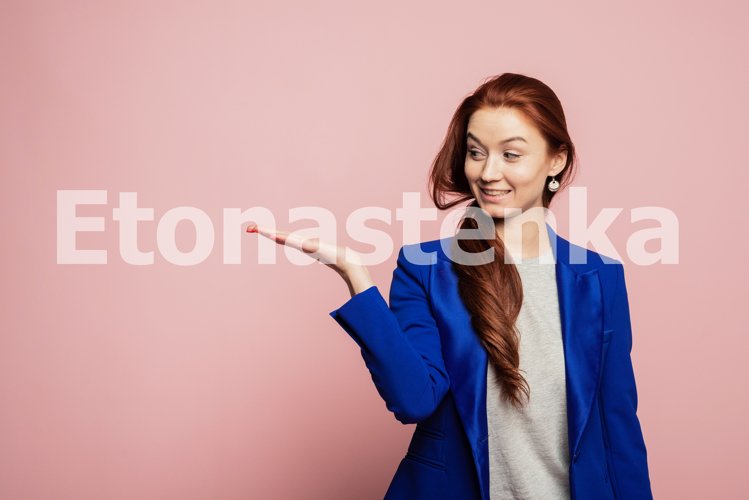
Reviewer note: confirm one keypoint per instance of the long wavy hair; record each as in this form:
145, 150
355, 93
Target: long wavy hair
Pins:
492, 292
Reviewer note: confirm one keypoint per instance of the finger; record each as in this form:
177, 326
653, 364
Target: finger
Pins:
298, 241
273, 234
325, 253
320, 251
306, 244
310, 245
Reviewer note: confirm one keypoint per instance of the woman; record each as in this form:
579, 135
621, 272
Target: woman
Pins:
517, 373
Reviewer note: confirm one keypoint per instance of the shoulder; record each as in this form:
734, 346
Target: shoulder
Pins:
567, 251
582, 257
585, 260
425, 252
579, 258
610, 273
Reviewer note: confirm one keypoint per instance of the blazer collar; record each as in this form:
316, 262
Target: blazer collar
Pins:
466, 360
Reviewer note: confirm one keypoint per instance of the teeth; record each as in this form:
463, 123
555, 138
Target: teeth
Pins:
495, 193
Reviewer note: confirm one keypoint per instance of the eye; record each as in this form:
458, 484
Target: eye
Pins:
474, 152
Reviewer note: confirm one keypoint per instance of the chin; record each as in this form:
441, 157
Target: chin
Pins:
496, 212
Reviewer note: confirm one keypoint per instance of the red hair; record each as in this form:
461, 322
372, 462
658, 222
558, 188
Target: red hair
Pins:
492, 292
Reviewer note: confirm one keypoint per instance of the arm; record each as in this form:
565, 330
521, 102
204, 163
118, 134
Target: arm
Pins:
400, 344
627, 453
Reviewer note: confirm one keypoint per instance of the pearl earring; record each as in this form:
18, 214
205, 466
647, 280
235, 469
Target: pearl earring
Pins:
553, 184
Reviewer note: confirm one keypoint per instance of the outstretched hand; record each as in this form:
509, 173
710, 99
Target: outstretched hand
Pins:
346, 262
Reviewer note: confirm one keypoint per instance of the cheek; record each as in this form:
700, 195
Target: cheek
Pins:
472, 171
524, 177
519, 179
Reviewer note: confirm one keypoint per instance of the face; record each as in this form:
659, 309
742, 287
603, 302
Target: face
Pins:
508, 157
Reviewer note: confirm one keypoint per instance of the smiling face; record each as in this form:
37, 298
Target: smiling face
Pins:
507, 161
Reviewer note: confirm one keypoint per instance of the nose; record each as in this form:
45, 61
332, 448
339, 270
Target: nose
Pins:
493, 169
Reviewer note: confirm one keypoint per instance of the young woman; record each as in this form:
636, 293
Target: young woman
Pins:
516, 368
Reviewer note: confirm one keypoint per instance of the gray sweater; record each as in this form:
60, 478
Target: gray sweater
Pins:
528, 449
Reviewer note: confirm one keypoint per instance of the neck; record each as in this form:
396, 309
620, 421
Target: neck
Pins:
525, 235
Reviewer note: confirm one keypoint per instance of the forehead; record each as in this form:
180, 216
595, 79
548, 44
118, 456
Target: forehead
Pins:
492, 125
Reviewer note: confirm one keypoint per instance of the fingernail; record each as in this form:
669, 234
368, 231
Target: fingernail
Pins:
252, 228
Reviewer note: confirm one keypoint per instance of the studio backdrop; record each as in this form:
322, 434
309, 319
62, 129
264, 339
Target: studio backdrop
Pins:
152, 348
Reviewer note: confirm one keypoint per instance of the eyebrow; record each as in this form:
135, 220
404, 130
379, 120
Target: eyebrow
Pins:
516, 138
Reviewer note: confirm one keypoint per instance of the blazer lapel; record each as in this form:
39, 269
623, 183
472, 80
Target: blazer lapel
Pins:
466, 360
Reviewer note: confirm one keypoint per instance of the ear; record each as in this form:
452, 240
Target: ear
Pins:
558, 161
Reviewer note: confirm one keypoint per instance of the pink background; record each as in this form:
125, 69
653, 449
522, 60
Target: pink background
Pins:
231, 381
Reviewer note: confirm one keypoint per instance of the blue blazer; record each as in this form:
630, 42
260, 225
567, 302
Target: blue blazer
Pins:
430, 368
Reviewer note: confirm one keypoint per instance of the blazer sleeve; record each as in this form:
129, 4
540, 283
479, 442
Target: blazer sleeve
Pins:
627, 453
400, 343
